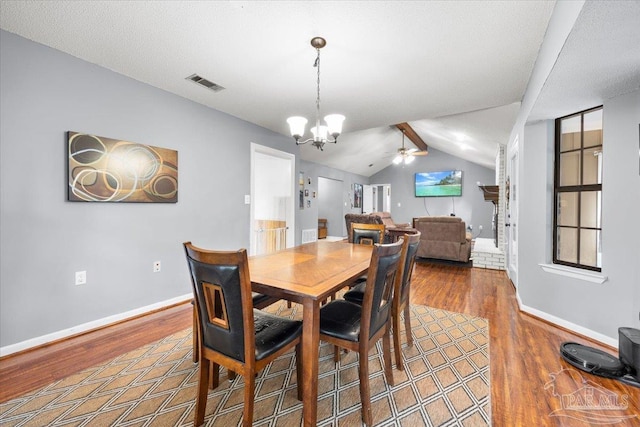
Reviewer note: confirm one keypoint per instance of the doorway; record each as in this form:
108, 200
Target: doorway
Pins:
272, 200
330, 205
376, 198
511, 198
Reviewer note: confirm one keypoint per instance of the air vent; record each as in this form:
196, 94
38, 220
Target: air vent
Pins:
310, 235
206, 83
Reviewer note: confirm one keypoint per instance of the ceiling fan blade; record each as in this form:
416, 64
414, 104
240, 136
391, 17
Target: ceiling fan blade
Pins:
420, 153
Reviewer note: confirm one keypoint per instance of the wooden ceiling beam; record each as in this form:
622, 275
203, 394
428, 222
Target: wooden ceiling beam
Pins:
413, 136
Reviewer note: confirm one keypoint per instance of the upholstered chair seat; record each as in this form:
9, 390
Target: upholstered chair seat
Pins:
341, 319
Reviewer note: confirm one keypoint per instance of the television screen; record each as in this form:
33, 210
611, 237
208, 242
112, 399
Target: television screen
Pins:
438, 184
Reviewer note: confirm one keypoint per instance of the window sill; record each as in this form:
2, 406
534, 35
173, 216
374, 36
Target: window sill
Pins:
574, 273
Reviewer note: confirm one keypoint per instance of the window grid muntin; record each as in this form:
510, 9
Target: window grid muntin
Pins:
574, 188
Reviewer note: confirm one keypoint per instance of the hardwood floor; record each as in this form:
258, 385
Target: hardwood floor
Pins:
524, 353
31, 370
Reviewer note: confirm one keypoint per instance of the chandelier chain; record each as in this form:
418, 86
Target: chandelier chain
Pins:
317, 65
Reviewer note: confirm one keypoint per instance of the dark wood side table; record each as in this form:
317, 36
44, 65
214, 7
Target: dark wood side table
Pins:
322, 228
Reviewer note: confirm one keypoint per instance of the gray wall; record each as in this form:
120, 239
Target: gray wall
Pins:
600, 308
45, 239
309, 216
471, 207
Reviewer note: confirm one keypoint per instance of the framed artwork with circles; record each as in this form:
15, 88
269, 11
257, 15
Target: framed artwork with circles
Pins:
111, 170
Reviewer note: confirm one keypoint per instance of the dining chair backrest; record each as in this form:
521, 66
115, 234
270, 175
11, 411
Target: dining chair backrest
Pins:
412, 241
378, 294
367, 234
222, 291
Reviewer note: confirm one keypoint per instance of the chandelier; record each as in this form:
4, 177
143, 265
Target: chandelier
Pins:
320, 132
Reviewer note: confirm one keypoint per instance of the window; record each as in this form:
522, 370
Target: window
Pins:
578, 190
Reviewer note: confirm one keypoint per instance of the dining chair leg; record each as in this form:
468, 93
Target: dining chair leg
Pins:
395, 317
201, 401
407, 324
231, 375
249, 391
336, 353
386, 355
365, 394
214, 374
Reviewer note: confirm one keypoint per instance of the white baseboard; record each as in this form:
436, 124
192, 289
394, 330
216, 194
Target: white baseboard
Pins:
567, 325
45, 339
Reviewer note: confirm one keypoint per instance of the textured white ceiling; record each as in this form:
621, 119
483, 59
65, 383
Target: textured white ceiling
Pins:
600, 60
443, 66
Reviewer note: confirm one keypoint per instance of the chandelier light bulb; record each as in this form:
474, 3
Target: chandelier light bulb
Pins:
319, 134
297, 125
334, 124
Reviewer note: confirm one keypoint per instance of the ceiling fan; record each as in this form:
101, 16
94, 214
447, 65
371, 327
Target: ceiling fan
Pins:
407, 155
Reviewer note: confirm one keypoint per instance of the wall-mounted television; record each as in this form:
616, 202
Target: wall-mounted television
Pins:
438, 184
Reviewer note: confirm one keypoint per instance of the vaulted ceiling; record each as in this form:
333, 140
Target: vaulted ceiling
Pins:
456, 71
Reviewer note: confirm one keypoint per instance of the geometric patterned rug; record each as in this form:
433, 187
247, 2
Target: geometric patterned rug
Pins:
445, 383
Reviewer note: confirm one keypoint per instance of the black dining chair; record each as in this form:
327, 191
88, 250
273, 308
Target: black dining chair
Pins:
366, 234
231, 332
363, 234
358, 327
402, 291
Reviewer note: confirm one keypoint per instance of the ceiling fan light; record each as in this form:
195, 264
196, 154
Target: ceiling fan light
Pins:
397, 160
408, 159
296, 126
334, 123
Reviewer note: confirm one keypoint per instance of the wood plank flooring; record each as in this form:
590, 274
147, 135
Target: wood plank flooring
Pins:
524, 351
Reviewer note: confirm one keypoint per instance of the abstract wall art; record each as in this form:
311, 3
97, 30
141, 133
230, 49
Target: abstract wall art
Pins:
110, 170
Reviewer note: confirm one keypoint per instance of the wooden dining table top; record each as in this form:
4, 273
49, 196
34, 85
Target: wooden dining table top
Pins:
308, 274
313, 270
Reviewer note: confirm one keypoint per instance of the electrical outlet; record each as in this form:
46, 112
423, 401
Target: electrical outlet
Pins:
81, 277
480, 227
156, 266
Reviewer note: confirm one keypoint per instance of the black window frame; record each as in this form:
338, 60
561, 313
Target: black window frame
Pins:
580, 189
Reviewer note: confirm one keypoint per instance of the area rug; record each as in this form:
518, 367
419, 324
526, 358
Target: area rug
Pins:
445, 383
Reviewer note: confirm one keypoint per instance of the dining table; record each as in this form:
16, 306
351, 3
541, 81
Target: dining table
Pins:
309, 274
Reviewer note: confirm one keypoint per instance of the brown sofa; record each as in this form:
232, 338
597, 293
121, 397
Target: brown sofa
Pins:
443, 237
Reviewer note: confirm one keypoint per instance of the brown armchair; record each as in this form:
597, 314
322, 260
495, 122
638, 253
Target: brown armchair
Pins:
443, 237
